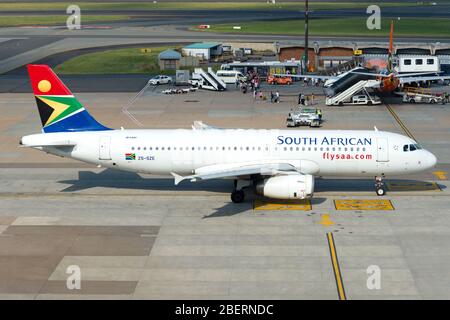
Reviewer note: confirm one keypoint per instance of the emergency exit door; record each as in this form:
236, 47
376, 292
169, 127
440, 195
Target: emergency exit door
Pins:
382, 150
105, 148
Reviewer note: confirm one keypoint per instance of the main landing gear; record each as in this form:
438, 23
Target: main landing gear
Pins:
380, 186
238, 195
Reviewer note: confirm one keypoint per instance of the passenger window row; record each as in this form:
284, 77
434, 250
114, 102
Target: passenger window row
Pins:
217, 148
324, 149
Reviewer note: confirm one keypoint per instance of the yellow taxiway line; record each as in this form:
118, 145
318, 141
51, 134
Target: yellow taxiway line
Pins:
336, 268
441, 175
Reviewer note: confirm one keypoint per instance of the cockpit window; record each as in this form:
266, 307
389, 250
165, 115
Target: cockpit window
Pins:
411, 147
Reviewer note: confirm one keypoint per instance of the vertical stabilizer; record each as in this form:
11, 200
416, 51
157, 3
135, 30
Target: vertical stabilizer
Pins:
59, 110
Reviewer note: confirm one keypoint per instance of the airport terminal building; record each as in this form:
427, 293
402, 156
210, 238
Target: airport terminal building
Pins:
331, 54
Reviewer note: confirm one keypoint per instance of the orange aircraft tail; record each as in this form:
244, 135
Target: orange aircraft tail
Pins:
391, 46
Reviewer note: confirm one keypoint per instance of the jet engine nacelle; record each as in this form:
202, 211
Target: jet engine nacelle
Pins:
293, 186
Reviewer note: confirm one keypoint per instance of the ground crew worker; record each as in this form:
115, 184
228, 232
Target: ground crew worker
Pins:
261, 95
302, 99
319, 114
277, 96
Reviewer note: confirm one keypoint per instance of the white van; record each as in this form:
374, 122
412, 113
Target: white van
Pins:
365, 99
230, 76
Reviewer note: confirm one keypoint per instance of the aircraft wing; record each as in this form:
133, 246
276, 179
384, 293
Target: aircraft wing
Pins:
372, 74
422, 79
301, 76
238, 170
417, 74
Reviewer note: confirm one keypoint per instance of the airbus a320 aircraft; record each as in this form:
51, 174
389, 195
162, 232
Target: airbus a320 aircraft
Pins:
278, 163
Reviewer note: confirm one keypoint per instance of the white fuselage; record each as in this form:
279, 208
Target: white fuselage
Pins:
324, 152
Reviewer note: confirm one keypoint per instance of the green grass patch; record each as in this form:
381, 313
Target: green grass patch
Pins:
13, 21
423, 27
192, 5
118, 61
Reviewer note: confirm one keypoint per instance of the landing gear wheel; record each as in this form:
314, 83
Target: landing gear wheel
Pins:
237, 196
379, 186
381, 192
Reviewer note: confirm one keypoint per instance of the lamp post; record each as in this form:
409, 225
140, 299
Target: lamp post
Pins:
305, 55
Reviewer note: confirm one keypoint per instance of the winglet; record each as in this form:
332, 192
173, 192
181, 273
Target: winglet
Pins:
177, 178
375, 128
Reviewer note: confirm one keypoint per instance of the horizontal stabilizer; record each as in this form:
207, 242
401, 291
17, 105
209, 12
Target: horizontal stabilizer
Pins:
199, 125
50, 144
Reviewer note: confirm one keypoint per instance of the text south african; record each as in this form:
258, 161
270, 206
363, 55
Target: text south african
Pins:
328, 141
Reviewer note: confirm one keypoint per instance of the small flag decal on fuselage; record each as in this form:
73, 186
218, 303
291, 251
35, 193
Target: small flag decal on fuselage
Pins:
130, 156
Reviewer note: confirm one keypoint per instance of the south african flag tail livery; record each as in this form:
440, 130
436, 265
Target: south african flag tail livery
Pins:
60, 111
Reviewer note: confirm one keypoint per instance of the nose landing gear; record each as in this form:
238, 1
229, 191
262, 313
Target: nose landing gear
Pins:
380, 187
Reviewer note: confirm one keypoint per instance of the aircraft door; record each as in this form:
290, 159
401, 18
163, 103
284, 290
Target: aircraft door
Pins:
382, 150
105, 148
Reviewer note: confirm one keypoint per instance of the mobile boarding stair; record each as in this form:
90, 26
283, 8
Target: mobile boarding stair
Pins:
210, 80
346, 95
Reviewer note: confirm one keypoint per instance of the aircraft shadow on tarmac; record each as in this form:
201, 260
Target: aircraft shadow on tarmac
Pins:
231, 209
110, 178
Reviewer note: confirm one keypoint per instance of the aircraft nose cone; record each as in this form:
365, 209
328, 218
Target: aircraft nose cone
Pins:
431, 160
